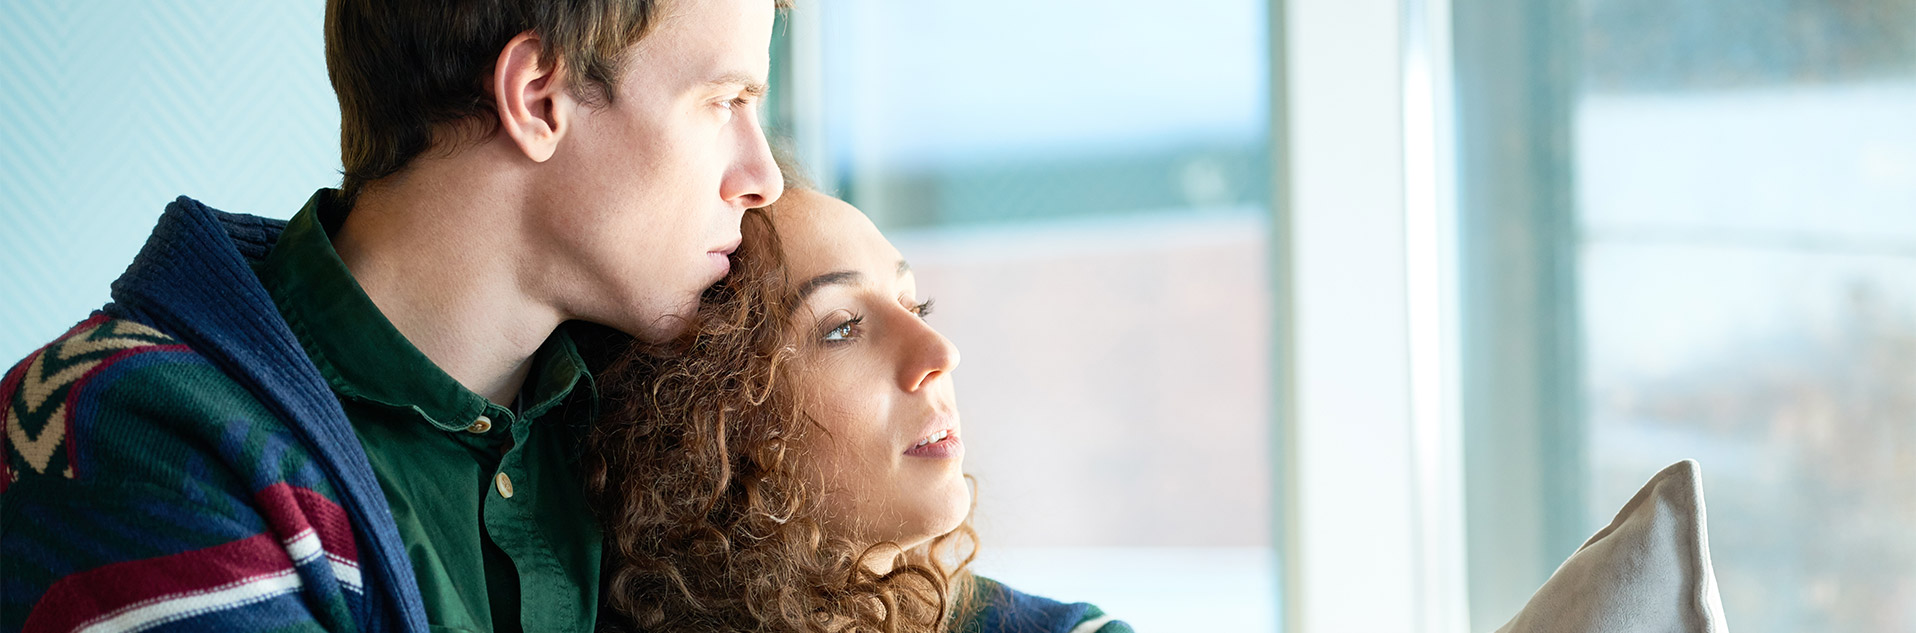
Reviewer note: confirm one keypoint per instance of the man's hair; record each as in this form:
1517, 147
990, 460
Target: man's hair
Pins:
404, 69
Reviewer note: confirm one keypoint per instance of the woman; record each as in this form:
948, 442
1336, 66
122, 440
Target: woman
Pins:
795, 464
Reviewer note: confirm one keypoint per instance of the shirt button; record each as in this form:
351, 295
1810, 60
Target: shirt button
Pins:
504, 484
480, 425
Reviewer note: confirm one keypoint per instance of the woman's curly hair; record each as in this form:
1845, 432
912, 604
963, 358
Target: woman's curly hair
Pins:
712, 523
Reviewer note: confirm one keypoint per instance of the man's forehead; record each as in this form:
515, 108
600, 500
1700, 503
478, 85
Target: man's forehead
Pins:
708, 43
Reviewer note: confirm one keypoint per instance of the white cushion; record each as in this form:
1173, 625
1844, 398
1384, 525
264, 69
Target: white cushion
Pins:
1649, 571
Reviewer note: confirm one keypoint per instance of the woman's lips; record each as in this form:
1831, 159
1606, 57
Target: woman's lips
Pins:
942, 445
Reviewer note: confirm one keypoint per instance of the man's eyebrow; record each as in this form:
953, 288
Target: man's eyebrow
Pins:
751, 85
842, 277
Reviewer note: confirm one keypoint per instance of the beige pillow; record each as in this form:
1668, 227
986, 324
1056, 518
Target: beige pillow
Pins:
1649, 571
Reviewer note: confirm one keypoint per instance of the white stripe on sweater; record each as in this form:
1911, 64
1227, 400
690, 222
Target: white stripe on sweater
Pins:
304, 546
173, 608
346, 572
1092, 625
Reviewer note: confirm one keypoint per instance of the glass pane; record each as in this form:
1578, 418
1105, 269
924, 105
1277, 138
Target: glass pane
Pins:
1081, 185
949, 113
1788, 375
1746, 175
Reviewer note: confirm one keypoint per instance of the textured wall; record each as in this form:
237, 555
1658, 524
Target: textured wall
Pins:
111, 108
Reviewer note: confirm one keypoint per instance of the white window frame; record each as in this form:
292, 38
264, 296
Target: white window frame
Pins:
1369, 449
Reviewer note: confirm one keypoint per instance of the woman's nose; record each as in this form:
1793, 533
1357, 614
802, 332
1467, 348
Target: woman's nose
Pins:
930, 356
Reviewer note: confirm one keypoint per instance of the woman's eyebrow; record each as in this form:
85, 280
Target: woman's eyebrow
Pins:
835, 278
841, 278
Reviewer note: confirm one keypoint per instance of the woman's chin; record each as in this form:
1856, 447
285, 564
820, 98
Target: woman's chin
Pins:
934, 512
956, 497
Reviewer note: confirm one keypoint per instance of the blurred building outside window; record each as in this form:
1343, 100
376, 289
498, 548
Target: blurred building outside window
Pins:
1082, 188
1741, 201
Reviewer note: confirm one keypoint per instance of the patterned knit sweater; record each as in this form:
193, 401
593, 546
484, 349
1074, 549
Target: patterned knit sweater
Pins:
176, 463
996, 608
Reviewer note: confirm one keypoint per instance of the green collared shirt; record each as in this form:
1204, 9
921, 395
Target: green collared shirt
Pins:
488, 500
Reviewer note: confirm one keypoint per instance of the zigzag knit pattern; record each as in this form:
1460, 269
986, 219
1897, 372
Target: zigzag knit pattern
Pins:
144, 489
38, 393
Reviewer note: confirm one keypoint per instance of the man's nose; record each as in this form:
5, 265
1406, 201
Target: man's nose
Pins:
754, 180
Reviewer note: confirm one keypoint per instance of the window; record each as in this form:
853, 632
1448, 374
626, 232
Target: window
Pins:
1082, 187
1747, 208
1716, 259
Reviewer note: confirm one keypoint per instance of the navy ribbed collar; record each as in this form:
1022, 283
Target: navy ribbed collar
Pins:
194, 282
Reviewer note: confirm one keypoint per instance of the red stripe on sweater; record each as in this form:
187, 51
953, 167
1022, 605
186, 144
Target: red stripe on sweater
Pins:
10, 387
86, 596
291, 509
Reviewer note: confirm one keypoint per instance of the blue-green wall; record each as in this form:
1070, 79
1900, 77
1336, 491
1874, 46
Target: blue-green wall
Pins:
111, 108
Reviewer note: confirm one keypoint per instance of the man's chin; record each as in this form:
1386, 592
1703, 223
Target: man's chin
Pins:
664, 328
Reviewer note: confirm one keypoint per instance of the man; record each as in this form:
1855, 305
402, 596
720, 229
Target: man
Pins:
345, 422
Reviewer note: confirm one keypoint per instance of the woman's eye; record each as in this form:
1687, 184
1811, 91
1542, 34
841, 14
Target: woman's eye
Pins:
844, 332
924, 309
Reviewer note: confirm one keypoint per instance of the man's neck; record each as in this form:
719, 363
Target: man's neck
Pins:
433, 251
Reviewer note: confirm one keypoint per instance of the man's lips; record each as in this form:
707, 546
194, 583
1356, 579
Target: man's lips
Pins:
721, 258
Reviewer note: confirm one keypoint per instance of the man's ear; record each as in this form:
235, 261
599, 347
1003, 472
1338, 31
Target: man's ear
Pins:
529, 91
